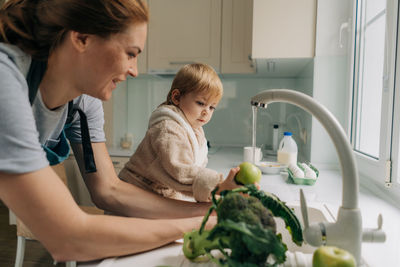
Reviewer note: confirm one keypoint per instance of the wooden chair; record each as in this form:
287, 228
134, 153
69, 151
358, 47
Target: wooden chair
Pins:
23, 233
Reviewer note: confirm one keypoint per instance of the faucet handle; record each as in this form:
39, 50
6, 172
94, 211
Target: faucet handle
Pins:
374, 235
303, 206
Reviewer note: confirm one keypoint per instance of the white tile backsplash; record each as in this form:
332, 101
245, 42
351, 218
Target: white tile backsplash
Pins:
231, 124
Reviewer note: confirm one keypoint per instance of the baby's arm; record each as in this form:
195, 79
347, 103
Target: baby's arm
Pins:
178, 170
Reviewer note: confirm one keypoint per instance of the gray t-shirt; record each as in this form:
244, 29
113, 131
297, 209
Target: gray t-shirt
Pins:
25, 128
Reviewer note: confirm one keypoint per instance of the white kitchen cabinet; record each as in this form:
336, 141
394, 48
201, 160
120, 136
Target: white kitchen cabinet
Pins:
76, 185
237, 19
284, 28
183, 31
108, 122
142, 60
227, 33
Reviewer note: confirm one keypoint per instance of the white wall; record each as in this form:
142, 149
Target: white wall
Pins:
331, 74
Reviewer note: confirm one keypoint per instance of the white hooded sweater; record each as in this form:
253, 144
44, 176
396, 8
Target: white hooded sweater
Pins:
171, 159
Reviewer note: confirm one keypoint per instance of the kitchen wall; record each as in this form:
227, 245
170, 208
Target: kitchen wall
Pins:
332, 69
231, 124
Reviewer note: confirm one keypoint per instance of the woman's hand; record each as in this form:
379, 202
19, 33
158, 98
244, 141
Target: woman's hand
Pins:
229, 183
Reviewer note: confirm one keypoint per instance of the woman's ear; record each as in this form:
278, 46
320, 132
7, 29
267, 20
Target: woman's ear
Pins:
175, 96
79, 40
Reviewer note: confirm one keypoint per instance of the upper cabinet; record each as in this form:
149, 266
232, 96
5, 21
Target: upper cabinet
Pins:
227, 34
284, 28
142, 60
237, 20
183, 31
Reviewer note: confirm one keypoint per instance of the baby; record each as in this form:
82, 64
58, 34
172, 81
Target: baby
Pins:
172, 157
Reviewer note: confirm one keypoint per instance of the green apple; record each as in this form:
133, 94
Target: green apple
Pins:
248, 174
330, 256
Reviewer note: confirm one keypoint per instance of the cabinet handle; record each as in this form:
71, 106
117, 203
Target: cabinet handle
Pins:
181, 62
251, 61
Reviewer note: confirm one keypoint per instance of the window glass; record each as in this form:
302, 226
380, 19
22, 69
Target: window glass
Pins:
370, 62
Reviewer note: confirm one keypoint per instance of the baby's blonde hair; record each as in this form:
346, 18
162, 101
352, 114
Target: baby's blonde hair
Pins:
199, 78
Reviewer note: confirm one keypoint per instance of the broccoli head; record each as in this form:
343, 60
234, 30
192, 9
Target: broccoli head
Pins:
253, 217
247, 209
245, 227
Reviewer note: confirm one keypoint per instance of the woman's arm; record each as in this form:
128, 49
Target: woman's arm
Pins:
44, 204
110, 193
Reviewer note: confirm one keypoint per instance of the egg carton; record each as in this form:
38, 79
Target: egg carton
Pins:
303, 180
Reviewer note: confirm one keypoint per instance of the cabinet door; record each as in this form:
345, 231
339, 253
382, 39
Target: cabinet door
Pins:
284, 28
108, 122
237, 19
76, 183
142, 58
183, 31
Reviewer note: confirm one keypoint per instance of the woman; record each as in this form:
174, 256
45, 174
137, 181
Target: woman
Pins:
57, 52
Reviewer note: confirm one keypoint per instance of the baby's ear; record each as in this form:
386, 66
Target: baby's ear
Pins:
175, 96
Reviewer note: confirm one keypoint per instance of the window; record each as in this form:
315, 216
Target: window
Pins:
373, 130
371, 45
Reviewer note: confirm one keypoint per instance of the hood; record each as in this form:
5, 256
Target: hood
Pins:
20, 58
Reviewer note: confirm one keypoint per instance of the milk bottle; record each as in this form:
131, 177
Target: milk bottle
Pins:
287, 151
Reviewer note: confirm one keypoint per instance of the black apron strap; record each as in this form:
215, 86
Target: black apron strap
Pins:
90, 165
33, 79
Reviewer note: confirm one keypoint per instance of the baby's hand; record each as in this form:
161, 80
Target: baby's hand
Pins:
229, 183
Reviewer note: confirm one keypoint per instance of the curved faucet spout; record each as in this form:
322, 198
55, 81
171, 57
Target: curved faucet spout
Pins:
334, 129
346, 232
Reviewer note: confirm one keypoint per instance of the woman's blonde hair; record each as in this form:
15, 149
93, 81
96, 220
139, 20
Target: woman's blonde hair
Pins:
38, 26
196, 77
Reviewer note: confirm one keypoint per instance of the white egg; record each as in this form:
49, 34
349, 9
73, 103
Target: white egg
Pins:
309, 173
297, 172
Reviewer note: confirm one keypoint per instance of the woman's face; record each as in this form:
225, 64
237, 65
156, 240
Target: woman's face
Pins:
109, 61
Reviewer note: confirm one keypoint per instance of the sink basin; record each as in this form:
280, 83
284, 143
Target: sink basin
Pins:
317, 212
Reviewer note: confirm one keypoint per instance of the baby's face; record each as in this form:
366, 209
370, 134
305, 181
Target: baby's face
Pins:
198, 108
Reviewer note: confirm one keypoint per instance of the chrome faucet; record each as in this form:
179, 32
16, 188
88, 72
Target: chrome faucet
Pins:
346, 232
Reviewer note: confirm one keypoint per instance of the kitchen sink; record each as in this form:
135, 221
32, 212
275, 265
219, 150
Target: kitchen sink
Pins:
317, 212
172, 255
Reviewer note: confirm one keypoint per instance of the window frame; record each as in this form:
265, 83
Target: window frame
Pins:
395, 177
380, 169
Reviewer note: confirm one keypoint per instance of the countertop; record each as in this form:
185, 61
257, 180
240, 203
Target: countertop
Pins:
327, 190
